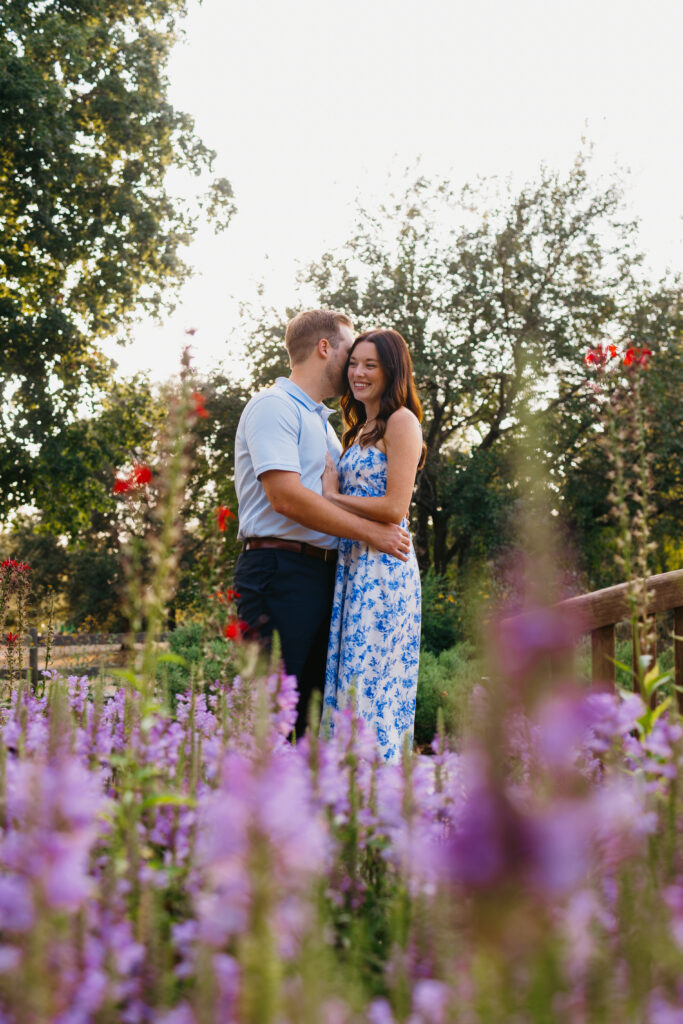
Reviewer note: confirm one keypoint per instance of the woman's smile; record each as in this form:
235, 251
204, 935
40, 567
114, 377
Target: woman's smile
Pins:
367, 379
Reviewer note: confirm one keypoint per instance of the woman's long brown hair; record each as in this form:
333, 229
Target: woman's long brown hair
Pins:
394, 358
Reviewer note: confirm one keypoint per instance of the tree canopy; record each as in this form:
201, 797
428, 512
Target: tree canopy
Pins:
499, 295
90, 235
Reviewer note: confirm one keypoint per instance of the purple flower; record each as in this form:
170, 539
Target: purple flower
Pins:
430, 1001
379, 1012
16, 904
10, 958
491, 839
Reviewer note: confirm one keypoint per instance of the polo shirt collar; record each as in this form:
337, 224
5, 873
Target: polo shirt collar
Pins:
300, 396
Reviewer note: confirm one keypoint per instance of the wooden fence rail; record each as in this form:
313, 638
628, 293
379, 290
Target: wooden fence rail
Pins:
599, 613
117, 641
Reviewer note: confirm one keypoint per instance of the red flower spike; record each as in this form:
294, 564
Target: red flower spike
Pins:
235, 630
637, 356
199, 409
11, 639
600, 355
223, 513
12, 563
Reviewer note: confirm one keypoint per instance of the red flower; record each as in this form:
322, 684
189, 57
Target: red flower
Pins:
141, 474
199, 409
600, 355
11, 639
223, 513
12, 563
637, 357
236, 629
228, 596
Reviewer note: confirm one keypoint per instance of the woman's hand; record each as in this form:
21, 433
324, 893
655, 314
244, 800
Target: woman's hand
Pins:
330, 477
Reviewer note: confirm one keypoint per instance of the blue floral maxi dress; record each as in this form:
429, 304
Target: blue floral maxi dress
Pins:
374, 644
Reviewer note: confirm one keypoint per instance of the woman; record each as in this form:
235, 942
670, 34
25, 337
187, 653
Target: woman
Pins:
374, 644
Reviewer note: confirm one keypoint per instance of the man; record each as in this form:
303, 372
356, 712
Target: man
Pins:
285, 573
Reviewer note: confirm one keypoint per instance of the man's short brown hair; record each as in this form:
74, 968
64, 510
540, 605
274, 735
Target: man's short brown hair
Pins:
305, 330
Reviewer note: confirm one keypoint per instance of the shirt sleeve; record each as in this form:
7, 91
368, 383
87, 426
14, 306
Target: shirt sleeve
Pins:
271, 432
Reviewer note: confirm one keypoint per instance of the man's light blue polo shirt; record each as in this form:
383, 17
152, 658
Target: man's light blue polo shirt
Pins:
281, 428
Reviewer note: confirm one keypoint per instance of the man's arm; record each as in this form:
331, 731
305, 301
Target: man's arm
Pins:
291, 499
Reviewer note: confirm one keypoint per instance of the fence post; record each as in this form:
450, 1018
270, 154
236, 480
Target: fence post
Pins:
33, 657
603, 653
678, 654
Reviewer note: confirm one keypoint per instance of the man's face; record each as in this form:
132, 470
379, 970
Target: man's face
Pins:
336, 380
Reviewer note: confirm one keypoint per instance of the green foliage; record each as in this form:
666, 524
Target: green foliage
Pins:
89, 233
205, 657
440, 614
446, 681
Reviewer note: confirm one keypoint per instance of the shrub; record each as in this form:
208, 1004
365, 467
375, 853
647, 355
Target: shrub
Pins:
205, 657
440, 618
446, 681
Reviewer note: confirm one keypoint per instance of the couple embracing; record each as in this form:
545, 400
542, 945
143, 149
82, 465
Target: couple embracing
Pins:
327, 561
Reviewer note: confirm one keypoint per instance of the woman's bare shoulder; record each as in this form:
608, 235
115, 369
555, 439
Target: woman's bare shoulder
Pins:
403, 420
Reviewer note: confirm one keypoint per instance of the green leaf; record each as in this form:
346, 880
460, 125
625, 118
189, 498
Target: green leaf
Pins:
168, 800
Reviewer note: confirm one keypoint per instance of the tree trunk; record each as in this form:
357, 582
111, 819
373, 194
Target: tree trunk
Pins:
423, 506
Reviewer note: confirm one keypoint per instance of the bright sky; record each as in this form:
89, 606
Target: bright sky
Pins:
311, 104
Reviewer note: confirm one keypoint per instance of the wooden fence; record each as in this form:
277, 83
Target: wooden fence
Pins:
114, 641
599, 613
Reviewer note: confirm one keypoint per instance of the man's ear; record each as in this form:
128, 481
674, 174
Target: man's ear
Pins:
324, 347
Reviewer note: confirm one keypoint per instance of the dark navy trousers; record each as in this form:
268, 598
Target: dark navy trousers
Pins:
291, 593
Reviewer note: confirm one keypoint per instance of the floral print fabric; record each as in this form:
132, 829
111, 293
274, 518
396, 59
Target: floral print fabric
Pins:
374, 646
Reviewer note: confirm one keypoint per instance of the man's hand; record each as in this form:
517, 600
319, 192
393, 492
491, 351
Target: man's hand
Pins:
288, 497
330, 477
390, 538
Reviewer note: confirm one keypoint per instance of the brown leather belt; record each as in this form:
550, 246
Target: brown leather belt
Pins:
257, 543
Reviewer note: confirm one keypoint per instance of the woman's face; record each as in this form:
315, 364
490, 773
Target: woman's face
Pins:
367, 379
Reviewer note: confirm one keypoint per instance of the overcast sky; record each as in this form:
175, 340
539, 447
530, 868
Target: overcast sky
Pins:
310, 104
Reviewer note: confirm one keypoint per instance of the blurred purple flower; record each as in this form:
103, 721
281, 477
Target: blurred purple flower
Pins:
16, 904
430, 1001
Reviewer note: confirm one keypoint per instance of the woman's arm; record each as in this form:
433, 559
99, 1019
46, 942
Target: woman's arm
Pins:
403, 441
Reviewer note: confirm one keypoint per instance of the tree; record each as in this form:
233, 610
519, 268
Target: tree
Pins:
499, 295
89, 233
75, 540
